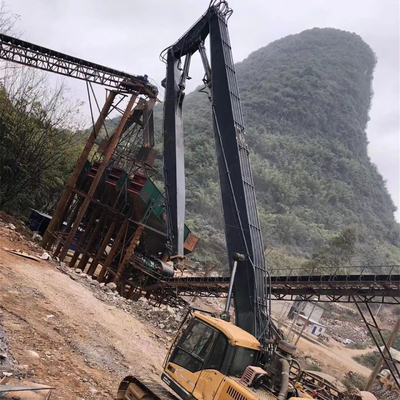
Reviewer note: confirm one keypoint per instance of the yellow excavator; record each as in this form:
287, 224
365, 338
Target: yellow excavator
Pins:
211, 358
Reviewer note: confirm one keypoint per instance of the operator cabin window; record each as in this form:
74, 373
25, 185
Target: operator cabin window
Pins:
194, 347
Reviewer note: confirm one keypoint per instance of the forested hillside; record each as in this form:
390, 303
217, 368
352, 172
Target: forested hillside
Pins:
305, 100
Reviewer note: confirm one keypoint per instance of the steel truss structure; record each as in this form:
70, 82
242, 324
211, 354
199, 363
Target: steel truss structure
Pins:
375, 333
371, 288
32, 55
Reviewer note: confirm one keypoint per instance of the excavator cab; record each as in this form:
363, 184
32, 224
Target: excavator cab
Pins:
207, 356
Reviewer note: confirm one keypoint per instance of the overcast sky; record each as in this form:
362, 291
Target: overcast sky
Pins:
128, 35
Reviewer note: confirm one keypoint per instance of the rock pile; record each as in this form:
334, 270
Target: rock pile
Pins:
21, 241
164, 317
7, 362
340, 330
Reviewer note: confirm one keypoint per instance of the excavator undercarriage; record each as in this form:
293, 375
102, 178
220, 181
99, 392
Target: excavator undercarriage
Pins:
138, 388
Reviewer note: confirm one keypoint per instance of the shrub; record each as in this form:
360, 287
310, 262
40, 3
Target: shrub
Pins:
312, 367
357, 346
355, 382
368, 360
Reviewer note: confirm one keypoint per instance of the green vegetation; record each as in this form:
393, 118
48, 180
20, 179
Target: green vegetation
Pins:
338, 251
357, 346
38, 142
386, 334
305, 100
312, 367
369, 360
396, 310
356, 381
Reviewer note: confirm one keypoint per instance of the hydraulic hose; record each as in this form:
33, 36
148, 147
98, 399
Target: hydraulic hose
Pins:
285, 379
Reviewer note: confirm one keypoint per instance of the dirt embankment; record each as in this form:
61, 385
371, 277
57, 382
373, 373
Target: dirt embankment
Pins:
61, 335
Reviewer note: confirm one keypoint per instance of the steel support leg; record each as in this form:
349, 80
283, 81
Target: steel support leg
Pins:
92, 241
385, 353
96, 180
128, 254
85, 234
104, 244
48, 236
113, 250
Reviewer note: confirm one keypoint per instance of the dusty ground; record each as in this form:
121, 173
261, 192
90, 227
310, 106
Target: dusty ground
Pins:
335, 359
60, 334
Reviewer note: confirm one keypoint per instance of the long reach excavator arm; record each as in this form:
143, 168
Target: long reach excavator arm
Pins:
242, 227
211, 358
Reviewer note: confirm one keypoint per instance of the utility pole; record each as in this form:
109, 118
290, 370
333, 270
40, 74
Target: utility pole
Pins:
379, 363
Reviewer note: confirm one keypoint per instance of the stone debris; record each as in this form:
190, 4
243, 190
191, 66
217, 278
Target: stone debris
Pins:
344, 322
11, 226
7, 361
339, 330
164, 317
45, 256
382, 393
111, 286
36, 237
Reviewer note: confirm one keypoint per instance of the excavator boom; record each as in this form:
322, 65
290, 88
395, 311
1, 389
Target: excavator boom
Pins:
242, 227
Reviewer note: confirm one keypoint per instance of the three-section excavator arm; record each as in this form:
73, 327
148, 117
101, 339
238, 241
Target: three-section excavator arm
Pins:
242, 228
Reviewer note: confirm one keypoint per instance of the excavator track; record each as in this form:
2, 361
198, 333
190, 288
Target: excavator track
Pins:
137, 388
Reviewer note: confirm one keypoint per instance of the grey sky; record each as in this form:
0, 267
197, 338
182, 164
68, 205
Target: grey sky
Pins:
129, 35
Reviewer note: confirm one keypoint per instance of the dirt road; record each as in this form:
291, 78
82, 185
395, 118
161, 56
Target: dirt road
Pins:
61, 335
335, 360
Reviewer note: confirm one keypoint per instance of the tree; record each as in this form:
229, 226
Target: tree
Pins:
39, 140
39, 136
337, 252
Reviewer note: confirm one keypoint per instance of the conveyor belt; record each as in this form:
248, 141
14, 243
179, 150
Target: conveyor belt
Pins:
371, 287
25, 53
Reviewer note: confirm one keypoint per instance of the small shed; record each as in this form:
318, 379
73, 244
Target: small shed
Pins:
307, 309
311, 325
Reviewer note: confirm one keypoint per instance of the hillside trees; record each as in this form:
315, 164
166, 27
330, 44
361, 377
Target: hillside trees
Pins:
39, 142
339, 251
306, 101
39, 136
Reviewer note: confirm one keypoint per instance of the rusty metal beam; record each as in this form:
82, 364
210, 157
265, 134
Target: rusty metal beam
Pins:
84, 235
92, 241
96, 180
69, 224
104, 244
113, 250
128, 254
48, 239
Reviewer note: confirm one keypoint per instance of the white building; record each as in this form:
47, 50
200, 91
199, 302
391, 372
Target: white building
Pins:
308, 316
310, 325
307, 309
